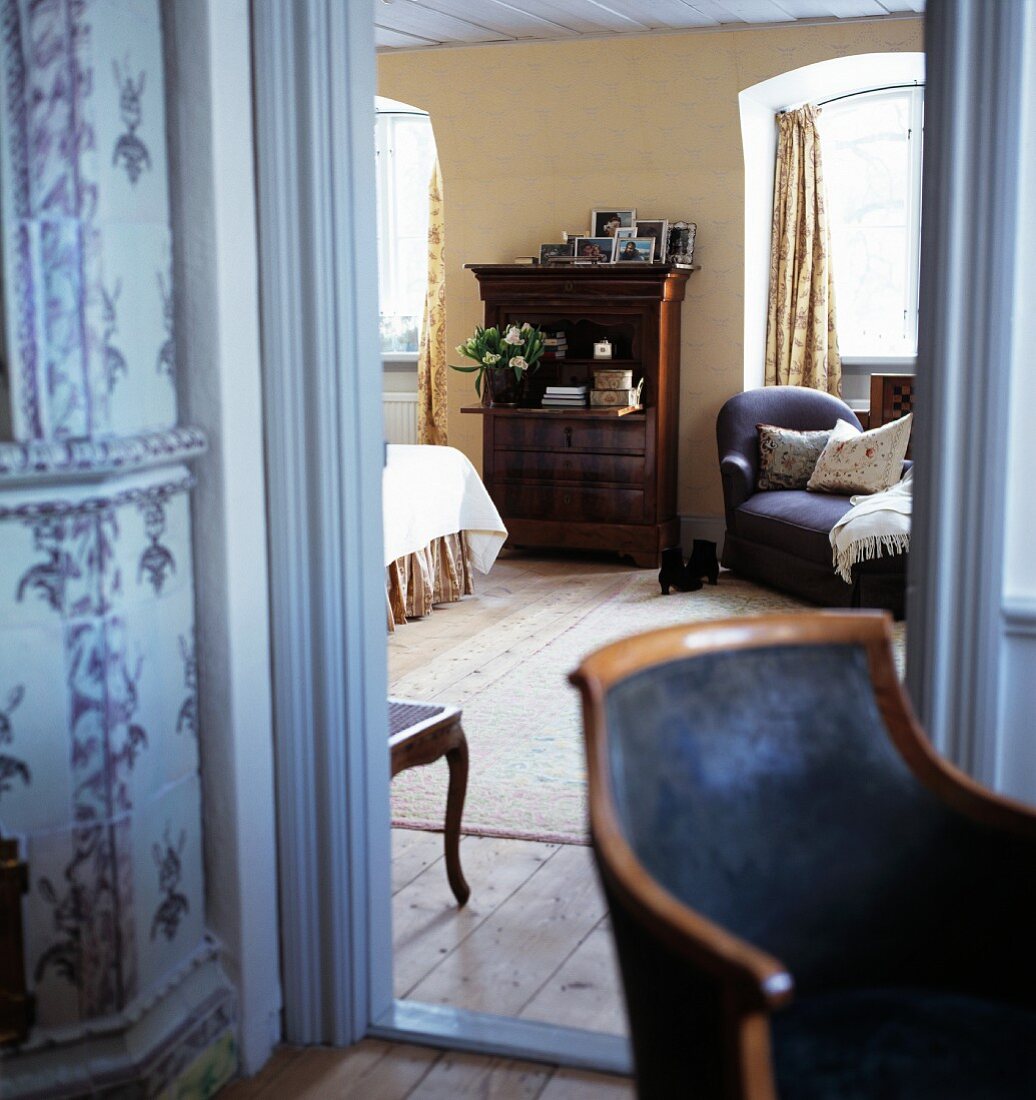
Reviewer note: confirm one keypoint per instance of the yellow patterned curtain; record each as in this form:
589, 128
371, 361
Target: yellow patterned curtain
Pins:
431, 359
801, 338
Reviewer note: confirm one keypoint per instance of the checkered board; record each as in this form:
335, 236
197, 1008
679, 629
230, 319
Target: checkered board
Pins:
899, 399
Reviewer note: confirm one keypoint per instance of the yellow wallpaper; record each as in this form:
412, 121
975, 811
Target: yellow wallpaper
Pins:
532, 136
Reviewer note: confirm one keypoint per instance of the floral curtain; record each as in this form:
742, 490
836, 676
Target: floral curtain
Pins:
431, 359
801, 337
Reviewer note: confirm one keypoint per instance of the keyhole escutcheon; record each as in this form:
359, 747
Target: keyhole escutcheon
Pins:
568, 437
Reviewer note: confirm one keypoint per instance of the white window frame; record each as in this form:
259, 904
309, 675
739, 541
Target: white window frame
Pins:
386, 120
868, 364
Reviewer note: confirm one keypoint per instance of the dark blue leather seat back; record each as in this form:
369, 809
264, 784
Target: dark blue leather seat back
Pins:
760, 788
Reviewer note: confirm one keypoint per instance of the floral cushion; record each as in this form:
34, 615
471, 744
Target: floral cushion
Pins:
787, 458
862, 462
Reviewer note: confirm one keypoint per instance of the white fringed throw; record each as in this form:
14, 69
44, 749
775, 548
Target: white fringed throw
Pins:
876, 524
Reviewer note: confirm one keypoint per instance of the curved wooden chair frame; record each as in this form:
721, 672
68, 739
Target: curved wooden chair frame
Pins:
754, 982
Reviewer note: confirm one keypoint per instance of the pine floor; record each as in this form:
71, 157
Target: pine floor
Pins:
374, 1070
533, 940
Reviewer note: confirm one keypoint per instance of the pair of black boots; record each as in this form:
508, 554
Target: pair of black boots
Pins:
688, 577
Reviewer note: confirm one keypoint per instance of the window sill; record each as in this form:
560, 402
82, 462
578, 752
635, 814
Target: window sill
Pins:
879, 364
399, 360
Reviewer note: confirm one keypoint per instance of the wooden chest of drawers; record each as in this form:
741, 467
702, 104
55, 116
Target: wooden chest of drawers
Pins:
593, 478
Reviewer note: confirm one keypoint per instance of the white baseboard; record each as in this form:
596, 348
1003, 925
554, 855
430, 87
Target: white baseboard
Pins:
712, 528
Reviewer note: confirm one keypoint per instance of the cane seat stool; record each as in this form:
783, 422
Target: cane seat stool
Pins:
421, 733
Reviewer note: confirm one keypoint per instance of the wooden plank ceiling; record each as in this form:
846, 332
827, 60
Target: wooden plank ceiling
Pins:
420, 24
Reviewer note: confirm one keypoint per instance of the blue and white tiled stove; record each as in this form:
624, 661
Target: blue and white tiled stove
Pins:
99, 763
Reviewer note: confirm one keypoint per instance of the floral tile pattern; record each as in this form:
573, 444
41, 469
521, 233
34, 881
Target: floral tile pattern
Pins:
87, 247
98, 681
98, 747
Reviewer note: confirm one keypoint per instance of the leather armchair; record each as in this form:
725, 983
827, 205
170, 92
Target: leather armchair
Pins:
808, 902
780, 537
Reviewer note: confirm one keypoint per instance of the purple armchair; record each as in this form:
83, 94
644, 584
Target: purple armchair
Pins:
782, 537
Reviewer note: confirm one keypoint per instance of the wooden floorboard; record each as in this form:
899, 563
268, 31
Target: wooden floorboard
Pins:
502, 965
585, 988
428, 926
533, 940
469, 1075
374, 1070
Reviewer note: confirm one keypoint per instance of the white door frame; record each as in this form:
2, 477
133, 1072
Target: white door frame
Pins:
973, 300
314, 91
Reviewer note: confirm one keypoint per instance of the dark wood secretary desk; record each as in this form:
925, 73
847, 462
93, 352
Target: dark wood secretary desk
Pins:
592, 479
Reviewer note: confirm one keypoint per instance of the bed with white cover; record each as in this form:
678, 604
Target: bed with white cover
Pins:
439, 524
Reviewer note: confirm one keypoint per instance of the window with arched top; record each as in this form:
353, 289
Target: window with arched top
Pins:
405, 151
872, 149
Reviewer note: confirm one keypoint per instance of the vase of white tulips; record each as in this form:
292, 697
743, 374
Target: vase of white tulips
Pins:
504, 359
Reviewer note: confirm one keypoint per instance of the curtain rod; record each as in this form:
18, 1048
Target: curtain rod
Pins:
863, 91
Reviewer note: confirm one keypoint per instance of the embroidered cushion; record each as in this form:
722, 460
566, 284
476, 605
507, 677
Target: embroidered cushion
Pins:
862, 462
786, 457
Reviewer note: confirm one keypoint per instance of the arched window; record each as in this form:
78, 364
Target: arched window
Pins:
405, 149
872, 146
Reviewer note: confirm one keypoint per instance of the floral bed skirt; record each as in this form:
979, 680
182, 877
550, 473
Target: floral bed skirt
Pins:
437, 573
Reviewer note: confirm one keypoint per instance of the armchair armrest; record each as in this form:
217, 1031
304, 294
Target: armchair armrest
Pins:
738, 483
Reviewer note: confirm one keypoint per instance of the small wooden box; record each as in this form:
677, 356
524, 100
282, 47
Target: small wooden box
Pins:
612, 380
610, 398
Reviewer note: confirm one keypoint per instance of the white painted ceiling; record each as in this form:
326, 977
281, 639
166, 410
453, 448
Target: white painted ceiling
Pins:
418, 24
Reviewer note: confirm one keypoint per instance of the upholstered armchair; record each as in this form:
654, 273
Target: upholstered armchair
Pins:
782, 537
808, 902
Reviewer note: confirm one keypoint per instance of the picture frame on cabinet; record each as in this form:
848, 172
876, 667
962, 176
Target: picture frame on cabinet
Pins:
595, 250
637, 250
605, 220
658, 228
550, 252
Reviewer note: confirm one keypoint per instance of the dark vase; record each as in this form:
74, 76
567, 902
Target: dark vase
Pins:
505, 390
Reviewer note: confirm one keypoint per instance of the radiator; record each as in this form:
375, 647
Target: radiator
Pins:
400, 414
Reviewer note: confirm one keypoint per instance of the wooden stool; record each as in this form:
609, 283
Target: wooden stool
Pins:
420, 733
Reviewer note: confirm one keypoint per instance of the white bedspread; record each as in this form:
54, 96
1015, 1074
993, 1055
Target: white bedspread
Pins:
429, 492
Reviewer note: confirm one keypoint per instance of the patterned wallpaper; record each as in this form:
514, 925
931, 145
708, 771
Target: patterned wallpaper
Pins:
532, 136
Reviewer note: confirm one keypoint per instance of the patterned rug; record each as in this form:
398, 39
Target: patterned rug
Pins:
527, 776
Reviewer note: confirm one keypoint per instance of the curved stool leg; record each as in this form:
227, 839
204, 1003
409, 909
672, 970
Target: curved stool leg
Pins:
457, 760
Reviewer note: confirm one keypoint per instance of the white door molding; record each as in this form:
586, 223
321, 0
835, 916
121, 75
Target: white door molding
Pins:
970, 295
314, 93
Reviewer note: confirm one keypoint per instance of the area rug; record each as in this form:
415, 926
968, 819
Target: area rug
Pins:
527, 776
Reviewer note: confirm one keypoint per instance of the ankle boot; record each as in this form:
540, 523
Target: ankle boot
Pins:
703, 561
674, 575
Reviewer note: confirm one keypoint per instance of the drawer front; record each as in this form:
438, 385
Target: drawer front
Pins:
619, 436
615, 469
575, 503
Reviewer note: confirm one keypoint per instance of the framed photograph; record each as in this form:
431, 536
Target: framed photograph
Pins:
599, 250
657, 228
604, 220
681, 244
635, 250
626, 231
549, 251
571, 234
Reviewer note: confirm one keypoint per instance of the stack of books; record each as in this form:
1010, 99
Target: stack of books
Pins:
555, 345
566, 396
